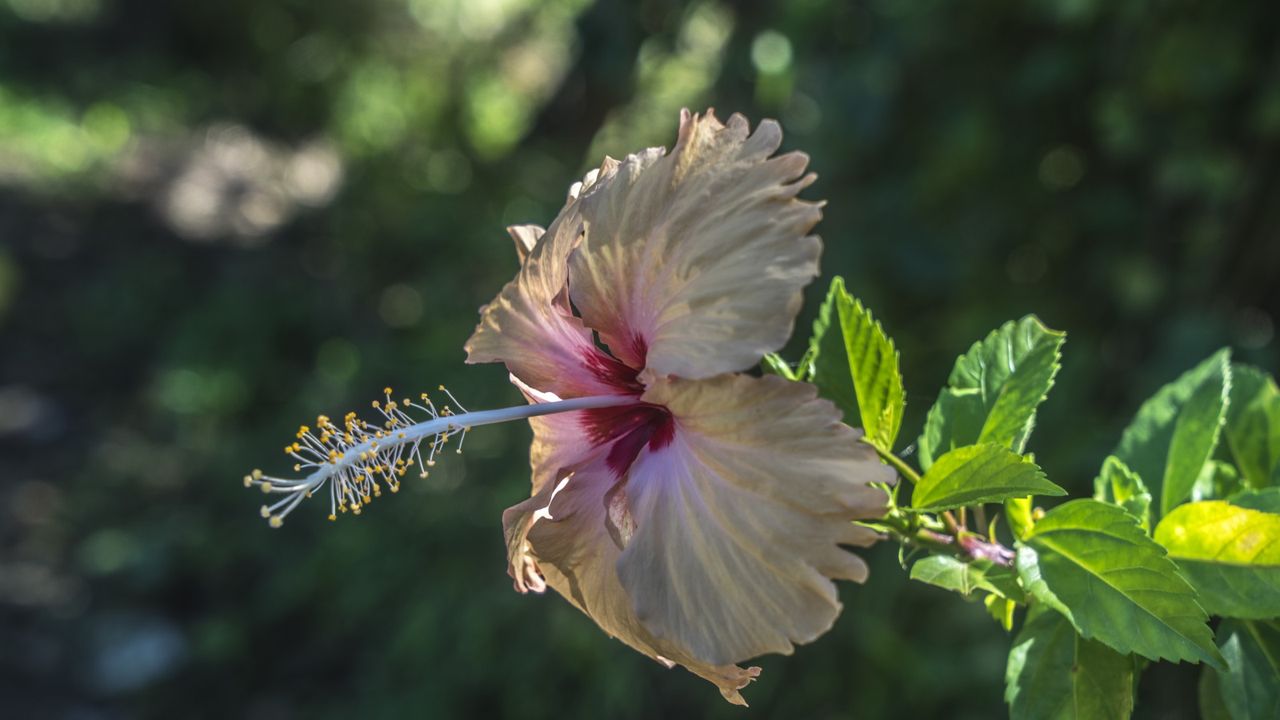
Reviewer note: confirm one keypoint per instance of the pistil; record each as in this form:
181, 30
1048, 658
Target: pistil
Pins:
357, 458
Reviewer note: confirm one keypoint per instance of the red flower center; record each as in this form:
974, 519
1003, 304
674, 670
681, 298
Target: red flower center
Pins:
630, 428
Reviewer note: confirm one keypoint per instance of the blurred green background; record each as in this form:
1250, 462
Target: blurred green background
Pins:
220, 219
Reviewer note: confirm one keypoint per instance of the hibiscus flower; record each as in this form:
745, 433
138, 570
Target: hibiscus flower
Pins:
696, 513
699, 515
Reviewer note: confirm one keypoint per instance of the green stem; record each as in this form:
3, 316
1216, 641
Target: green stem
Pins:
949, 535
898, 464
907, 530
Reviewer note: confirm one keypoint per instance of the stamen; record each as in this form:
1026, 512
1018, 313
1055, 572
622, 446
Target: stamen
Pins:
356, 458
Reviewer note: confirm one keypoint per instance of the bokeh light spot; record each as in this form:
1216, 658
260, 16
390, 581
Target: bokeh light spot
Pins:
400, 306
107, 551
1061, 168
1254, 328
338, 360
771, 52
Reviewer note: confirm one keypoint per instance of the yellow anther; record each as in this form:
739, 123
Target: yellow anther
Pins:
441, 387
265, 512
376, 404
266, 488
386, 391
423, 474
276, 521
257, 474
332, 517
248, 481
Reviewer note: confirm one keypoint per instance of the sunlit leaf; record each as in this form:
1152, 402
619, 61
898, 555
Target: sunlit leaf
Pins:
1229, 553
1176, 430
994, 390
1217, 480
1001, 610
1055, 674
979, 474
956, 575
1092, 562
856, 366
1119, 485
1017, 512
1253, 425
774, 364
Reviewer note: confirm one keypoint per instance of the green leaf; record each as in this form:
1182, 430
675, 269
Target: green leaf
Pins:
774, 364
856, 366
1017, 512
1001, 610
1250, 686
1093, 563
956, 575
1209, 692
1230, 554
1119, 485
994, 390
979, 474
1176, 430
1267, 500
1055, 674
1253, 425
1217, 480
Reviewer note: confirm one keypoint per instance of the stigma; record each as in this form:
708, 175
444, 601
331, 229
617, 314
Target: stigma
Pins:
355, 460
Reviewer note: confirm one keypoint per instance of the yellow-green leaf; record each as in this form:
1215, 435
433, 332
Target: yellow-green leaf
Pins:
1231, 555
